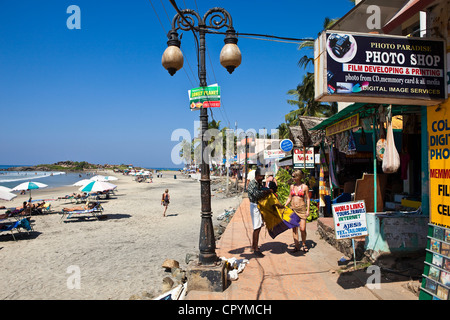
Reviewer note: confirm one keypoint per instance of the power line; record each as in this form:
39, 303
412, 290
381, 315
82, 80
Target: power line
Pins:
241, 34
165, 11
156, 13
162, 26
272, 40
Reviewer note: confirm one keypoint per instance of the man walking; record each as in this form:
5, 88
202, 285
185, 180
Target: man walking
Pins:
255, 193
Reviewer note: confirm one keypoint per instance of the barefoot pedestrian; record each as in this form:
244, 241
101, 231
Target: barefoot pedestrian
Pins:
255, 193
165, 201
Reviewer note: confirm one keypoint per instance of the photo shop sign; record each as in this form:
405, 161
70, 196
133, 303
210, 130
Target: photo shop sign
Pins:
350, 219
354, 67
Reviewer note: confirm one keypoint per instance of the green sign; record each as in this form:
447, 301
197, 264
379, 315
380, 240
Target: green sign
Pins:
204, 97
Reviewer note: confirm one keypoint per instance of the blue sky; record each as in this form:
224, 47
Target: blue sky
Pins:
100, 94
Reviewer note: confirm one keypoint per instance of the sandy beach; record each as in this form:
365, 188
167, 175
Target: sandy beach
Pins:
119, 257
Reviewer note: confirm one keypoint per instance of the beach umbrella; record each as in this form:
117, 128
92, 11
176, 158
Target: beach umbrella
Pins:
2, 188
82, 183
104, 178
95, 186
7, 195
30, 185
110, 178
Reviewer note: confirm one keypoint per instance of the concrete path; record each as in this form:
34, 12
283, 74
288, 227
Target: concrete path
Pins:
282, 275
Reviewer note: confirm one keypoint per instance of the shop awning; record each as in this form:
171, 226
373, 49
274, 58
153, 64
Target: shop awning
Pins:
286, 161
411, 8
355, 19
364, 110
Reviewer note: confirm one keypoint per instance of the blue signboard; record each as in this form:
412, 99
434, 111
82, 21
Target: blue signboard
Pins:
286, 145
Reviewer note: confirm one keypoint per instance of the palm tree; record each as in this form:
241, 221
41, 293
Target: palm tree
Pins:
214, 124
283, 131
304, 93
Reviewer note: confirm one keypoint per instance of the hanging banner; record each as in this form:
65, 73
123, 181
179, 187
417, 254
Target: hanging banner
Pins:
355, 67
204, 97
438, 124
274, 154
350, 219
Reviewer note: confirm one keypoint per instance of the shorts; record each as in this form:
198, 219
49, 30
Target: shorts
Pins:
257, 220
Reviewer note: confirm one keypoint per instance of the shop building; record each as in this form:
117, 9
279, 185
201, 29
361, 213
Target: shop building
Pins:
390, 143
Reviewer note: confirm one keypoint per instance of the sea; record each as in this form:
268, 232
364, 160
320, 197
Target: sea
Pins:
53, 179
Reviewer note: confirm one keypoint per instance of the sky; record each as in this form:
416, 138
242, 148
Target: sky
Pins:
100, 94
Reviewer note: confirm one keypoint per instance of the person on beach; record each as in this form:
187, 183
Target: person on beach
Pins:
256, 192
299, 196
165, 201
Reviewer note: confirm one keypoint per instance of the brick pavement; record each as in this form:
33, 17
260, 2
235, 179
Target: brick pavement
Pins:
281, 275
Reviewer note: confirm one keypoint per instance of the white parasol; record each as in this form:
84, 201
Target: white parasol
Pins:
7, 195
95, 186
30, 185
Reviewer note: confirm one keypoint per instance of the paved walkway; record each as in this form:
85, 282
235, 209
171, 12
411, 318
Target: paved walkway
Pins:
281, 275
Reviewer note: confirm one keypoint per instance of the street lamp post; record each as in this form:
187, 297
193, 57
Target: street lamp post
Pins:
230, 58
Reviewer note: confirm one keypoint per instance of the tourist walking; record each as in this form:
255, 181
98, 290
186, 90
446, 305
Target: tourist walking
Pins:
255, 193
165, 201
299, 200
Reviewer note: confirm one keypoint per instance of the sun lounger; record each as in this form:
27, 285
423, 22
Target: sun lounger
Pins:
95, 211
82, 199
6, 226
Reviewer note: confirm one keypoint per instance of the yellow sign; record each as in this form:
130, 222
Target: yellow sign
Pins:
343, 125
438, 123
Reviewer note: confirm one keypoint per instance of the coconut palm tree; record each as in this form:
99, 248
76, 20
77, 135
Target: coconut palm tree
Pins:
304, 93
283, 131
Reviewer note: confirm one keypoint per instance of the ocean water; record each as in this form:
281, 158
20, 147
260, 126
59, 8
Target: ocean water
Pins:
53, 179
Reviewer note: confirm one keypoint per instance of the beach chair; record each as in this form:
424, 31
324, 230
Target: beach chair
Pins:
11, 226
95, 210
46, 207
67, 198
82, 199
19, 215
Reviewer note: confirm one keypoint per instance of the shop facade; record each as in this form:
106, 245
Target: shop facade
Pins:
390, 146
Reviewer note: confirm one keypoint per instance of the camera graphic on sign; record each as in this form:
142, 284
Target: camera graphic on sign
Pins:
341, 47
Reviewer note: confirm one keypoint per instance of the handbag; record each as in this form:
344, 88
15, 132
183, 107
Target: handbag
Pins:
391, 158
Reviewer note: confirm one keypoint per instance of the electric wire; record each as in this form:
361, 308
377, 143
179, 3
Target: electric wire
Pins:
253, 36
157, 16
187, 61
165, 11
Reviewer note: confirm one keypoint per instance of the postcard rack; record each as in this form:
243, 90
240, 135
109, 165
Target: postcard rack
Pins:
436, 276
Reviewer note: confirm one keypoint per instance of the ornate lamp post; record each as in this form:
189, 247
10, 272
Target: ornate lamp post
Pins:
230, 58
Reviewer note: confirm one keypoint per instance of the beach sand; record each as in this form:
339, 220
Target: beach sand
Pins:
117, 258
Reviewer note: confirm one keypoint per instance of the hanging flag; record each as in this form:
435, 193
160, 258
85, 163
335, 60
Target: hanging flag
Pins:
333, 180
